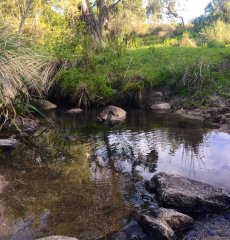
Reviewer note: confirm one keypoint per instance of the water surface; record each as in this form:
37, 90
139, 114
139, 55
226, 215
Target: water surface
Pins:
79, 178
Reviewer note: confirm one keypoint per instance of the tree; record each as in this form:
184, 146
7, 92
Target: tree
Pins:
214, 11
24, 10
159, 8
95, 15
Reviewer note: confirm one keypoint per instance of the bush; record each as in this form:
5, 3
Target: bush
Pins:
85, 88
219, 32
171, 42
187, 41
194, 79
214, 44
22, 72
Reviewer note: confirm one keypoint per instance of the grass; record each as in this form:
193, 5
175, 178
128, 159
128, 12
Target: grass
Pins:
22, 72
154, 66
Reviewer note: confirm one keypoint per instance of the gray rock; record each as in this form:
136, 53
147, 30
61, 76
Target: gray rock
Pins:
73, 112
8, 143
112, 115
133, 231
216, 101
161, 106
43, 105
57, 238
156, 228
188, 195
176, 220
24, 124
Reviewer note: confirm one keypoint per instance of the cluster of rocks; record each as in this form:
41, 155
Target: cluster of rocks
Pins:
181, 200
217, 110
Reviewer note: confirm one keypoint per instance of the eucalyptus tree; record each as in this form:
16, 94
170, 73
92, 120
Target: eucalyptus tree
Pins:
170, 8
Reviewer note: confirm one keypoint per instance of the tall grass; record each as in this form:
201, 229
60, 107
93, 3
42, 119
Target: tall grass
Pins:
22, 72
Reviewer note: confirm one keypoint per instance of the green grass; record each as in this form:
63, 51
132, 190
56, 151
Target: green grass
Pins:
153, 66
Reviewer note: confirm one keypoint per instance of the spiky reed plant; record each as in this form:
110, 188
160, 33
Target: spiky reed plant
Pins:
22, 71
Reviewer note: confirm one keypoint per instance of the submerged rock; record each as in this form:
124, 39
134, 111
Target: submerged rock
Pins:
161, 106
8, 143
73, 112
133, 231
43, 105
212, 227
112, 115
188, 195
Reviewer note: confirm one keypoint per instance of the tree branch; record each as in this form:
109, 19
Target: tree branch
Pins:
114, 5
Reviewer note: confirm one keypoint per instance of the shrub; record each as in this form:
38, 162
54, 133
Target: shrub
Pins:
194, 78
133, 92
187, 41
171, 42
85, 88
219, 32
22, 72
214, 44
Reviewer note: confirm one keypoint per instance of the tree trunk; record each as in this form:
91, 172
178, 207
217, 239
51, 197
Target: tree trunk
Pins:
24, 12
183, 25
92, 24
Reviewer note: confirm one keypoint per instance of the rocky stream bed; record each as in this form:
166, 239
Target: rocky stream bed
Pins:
155, 176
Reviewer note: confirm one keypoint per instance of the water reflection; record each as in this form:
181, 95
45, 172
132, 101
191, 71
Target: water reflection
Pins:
56, 187
148, 143
64, 193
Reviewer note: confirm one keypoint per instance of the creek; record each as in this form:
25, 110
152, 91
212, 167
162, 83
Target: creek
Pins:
83, 179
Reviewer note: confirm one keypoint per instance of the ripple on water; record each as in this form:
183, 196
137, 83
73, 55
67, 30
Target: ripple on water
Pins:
87, 198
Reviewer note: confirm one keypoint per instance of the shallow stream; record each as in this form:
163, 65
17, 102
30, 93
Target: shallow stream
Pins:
82, 179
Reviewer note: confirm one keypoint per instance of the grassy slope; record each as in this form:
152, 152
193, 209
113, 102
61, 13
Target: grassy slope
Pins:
155, 66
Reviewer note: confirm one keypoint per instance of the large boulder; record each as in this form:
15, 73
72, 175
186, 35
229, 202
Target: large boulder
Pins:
43, 105
187, 195
112, 115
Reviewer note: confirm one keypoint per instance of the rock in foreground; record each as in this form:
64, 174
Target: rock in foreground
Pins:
156, 228
164, 223
112, 115
188, 195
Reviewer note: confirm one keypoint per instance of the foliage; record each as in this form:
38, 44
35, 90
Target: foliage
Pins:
22, 72
219, 31
85, 89
195, 79
187, 41
214, 44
